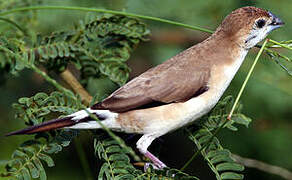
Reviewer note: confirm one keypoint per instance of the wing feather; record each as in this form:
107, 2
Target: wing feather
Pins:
176, 80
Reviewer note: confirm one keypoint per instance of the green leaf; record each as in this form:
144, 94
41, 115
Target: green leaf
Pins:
120, 171
104, 172
114, 149
33, 170
228, 166
52, 148
220, 158
231, 176
119, 157
241, 119
40, 168
18, 153
47, 159
120, 164
125, 177
25, 174
218, 152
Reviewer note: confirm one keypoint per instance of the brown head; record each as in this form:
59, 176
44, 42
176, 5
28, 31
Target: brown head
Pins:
248, 26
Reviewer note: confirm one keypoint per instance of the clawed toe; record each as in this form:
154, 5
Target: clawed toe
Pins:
154, 166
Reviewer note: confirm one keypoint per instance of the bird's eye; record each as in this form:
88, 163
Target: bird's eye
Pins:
260, 23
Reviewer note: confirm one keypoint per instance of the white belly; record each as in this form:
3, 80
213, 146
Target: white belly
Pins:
198, 106
219, 81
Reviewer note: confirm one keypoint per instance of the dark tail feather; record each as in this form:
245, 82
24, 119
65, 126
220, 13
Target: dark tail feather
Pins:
46, 126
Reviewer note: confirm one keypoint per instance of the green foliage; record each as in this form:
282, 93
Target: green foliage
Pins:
33, 110
28, 160
25, 20
100, 46
277, 56
9, 4
117, 162
218, 158
219, 114
117, 165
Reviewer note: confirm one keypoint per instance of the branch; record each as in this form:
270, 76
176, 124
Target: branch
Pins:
246, 79
252, 163
105, 11
70, 79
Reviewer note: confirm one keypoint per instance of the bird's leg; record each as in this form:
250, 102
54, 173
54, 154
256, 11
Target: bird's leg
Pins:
156, 162
142, 144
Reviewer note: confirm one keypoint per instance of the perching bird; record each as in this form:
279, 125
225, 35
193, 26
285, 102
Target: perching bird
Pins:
178, 91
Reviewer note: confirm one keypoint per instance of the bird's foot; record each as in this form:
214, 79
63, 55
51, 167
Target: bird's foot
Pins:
148, 165
157, 164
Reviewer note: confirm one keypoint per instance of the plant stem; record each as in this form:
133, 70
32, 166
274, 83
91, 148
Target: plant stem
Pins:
53, 82
14, 24
262, 166
246, 79
83, 159
76, 86
280, 44
106, 11
115, 137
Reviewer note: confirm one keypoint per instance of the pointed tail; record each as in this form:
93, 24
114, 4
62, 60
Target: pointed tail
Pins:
46, 126
77, 120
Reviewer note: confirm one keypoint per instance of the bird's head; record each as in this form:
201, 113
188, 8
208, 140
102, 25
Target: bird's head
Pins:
249, 25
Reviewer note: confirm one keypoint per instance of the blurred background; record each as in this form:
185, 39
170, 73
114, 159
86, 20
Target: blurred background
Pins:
267, 98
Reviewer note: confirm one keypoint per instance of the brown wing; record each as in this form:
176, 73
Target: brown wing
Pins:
172, 81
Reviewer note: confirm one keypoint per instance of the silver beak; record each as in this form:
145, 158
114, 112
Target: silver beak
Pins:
276, 21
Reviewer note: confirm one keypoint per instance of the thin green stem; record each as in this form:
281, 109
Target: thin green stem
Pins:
280, 44
204, 146
105, 11
246, 79
53, 82
108, 162
35, 155
83, 159
115, 137
40, 72
13, 24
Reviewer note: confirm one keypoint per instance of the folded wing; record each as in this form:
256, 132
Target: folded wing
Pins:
172, 81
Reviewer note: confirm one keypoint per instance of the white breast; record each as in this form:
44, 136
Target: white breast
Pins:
220, 79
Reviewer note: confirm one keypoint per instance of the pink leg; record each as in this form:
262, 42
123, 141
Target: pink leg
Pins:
156, 162
142, 144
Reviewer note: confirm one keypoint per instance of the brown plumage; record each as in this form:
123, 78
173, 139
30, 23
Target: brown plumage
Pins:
184, 75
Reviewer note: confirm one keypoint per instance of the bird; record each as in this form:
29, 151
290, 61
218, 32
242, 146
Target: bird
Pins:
178, 91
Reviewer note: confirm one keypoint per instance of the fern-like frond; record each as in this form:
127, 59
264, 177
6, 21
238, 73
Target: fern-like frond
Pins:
219, 114
28, 160
99, 46
33, 110
117, 165
117, 162
218, 158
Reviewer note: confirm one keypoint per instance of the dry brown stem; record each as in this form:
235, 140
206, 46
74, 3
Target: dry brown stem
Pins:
70, 79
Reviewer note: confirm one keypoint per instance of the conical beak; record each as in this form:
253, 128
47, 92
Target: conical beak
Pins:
276, 22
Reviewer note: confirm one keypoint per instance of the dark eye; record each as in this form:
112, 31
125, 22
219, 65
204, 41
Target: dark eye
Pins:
260, 23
